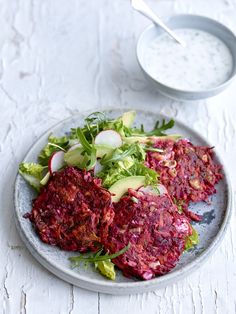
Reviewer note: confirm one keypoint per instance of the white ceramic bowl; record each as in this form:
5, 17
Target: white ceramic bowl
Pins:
195, 22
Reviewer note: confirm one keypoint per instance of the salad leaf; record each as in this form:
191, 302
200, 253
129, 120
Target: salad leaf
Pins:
95, 118
31, 169
106, 268
135, 150
93, 124
110, 175
128, 160
127, 168
97, 122
89, 159
85, 144
32, 173
101, 262
54, 144
139, 169
192, 240
118, 126
76, 260
118, 164
92, 160
157, 131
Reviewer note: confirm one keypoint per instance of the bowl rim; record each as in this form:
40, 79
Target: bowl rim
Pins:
82, 281
211, 90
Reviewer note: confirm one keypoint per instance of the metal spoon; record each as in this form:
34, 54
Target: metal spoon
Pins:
141, 6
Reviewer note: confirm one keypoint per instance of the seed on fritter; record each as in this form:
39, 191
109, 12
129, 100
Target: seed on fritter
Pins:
172, 172
195, 183
169, 163
205, 158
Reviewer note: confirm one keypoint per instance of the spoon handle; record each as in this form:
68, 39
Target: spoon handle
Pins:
141, 6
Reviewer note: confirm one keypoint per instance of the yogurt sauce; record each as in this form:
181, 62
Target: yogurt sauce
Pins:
204, 63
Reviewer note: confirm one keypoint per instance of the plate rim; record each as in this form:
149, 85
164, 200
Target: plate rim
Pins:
112, 287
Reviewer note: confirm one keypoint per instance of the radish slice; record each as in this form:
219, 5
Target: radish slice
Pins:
56, 161
74, 147
98, 167
149, 189
108, 137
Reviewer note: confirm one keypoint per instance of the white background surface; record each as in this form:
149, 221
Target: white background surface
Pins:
59, 57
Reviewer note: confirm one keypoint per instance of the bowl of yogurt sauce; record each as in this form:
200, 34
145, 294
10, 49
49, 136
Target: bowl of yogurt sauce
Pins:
202, 69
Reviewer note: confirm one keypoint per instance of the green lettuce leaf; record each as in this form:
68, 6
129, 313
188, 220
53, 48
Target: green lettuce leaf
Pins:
32, 173
192, 240
135, 151
128, 160
107, 269
54, 144
151, 176
127, 168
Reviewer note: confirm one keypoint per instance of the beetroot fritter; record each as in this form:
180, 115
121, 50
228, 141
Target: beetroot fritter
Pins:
70, 211
187, 171
154, 228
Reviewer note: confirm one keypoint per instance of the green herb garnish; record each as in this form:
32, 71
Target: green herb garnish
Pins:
76, 260
89, 160
157, 131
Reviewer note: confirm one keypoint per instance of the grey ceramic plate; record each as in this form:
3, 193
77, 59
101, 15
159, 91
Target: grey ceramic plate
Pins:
211, 230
